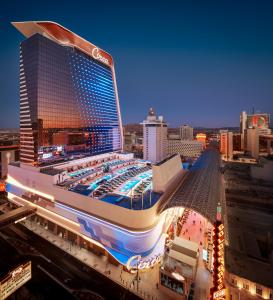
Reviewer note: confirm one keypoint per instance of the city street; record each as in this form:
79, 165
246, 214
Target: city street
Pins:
40, 286
194, 230
98, 266
63, 268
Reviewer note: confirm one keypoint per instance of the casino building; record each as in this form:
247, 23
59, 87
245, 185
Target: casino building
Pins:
68, 96
72, 167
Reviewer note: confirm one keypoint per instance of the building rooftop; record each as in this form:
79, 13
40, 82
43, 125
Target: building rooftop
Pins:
63, 36
185, 244
115, 178
249, 214
200, 189
165, 160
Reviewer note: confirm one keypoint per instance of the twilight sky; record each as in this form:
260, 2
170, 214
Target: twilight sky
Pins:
196, 62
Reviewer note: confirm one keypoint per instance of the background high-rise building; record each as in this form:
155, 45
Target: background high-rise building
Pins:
226, 144
260, 121
69, 104
243, 120
186, 132
252, 142
154, 138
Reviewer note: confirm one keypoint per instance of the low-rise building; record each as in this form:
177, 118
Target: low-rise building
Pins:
263, 170
9, 149
184, 147
249, 232
8, 154
201, 137
178, 269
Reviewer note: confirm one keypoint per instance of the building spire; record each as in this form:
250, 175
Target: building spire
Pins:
151, 112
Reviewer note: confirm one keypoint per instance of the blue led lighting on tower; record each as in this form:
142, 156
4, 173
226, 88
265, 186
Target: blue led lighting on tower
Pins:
69, 105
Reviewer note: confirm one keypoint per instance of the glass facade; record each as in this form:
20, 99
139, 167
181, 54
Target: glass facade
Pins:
69, 106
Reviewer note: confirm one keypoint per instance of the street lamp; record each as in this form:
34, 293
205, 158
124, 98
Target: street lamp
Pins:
139, 258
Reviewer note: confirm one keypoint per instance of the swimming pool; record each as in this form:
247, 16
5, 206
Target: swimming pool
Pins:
79, 172
145, 175
129, 185
97, 182
114, 199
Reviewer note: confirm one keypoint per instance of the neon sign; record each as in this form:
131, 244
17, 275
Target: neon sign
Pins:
14, 280
220, 294
96, 54
218, 290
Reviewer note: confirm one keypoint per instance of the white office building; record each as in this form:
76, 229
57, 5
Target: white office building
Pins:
186, 132
154, 138
243, 124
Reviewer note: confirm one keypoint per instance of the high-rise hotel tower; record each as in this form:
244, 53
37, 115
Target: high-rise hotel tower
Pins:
69, 105
154, 138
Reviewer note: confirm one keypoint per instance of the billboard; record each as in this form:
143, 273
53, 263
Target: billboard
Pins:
258, 121
14, 280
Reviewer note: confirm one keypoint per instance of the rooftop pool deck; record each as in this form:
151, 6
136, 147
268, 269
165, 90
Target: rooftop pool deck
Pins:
122, 195
149, 200
129, 185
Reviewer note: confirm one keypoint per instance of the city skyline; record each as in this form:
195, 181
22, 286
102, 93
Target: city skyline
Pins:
230, 63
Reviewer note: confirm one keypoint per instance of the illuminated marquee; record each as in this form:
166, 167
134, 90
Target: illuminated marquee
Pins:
14, 280
218, 290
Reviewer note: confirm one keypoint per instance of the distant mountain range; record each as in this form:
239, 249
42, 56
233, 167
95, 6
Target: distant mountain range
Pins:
134, 127
11, 130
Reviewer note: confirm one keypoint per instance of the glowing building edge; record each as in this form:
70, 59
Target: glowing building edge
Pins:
123, 233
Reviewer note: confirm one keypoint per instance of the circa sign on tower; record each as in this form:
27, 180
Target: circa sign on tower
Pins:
96, 55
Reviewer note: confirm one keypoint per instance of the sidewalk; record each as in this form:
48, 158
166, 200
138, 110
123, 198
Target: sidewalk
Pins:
191, 229
148, 279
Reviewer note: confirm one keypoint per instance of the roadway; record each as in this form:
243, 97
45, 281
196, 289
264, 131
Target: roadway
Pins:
40, 286
68, 272
201, 188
